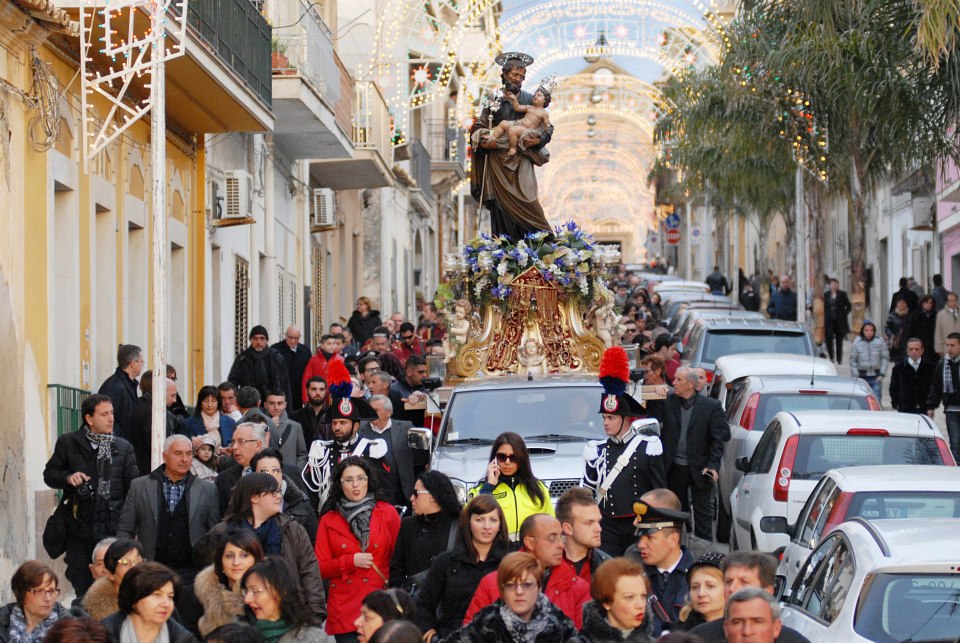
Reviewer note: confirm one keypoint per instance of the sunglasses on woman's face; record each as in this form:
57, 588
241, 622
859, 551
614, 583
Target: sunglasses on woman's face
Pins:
506, 457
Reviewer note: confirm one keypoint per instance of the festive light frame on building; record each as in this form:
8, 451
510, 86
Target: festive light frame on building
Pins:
131, 57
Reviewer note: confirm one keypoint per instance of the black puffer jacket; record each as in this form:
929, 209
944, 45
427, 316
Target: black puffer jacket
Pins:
597, 629
296, 505
122, 391
262, 370
420, 541
451, 582
96, 518
488, 626
362, 327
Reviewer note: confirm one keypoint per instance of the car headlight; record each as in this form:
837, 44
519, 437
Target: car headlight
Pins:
460, 488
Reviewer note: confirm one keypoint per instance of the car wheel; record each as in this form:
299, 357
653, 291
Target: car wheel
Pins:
724, 524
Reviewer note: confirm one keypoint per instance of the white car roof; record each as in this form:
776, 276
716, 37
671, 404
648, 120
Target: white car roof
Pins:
841, 421
897, 477
910, 544
680, 284
733, 367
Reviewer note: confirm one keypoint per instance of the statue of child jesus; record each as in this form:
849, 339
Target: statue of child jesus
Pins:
535, 119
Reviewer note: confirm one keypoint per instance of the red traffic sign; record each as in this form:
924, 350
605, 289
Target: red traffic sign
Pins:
673, 236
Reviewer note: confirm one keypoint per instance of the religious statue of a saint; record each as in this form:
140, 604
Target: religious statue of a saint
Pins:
503, 182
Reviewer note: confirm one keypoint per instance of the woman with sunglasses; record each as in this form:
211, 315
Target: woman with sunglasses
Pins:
355, 541
255, 506
121, 556
217, 587
35, 609
275, 605
523, 613
511, 481
453, 578
428, 532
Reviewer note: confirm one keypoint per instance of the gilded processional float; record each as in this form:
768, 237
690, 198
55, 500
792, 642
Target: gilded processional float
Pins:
528, 299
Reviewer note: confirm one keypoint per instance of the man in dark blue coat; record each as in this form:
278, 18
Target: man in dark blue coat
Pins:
783, 303
121, 387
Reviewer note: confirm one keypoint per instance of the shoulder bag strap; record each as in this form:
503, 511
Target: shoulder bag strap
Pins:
622, 461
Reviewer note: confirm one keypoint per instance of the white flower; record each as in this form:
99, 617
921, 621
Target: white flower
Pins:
502, 268
524, 260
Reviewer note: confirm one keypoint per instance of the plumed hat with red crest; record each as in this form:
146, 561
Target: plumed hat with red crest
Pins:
614, 377
342, 406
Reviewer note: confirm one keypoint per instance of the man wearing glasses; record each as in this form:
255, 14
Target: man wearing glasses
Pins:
410, 344
541, 536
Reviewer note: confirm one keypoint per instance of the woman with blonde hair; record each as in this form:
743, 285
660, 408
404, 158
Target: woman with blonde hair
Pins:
705, 602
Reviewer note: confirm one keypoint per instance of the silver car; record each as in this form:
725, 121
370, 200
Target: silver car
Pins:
555, 416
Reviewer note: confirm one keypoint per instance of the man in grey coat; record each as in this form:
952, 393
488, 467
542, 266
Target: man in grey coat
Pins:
170, 509
397, 473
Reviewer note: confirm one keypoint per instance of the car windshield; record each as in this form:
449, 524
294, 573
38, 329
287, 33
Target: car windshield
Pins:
817, 454
773, 403
553, 413
718, 343
905, 504
909, 607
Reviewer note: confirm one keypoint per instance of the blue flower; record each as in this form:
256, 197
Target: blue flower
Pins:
498, 254
571, 226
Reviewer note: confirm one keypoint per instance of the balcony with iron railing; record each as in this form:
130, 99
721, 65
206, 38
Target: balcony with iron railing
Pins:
448, 149
370, 135
221, 84
420, 162
306, 89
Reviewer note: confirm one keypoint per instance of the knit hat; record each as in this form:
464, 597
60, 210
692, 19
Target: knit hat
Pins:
614, 376
259, 330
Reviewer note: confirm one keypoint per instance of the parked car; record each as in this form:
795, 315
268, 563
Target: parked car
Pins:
883, 581
796, 449
556, 416
681, 284
689, 312
712, 339
758, 398
898, 492
672, 300
731, 371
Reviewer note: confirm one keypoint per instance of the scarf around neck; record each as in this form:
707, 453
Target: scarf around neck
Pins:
526, 632
357, 515
18, 626
129, 635
103, 443
269, 536
271, 630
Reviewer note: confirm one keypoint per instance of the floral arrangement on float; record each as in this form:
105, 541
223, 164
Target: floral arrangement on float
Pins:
486, 266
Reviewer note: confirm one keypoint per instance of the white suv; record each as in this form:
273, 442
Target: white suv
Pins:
796, 449
897, 492
884, 580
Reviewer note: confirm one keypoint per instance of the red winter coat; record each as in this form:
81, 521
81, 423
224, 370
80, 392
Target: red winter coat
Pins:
335, 548
564, 588
316, 367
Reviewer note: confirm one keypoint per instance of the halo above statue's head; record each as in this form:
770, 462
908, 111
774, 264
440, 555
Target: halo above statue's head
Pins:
524, 59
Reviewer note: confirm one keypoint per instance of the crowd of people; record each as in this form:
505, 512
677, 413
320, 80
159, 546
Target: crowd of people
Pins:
286, 515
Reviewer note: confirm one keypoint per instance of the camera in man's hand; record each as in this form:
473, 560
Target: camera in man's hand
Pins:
84, 491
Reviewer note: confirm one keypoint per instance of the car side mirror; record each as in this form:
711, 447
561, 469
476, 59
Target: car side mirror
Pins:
420, 439
774, 525
742, 464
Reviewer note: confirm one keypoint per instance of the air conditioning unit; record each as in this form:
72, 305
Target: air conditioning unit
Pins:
323, 211
237, 201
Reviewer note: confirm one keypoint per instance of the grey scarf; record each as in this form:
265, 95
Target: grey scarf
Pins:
358, 515
129, 635
948, 385
103, 442
527, 632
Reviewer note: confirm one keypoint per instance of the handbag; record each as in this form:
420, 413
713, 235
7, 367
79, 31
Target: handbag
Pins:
412, 584
55, 531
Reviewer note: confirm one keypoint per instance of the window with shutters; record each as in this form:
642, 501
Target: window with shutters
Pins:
241, 284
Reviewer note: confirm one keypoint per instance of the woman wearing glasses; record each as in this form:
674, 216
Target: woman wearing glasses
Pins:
511, 481
453, 578
428, 532
523, 612
36, 589
354, 543
121, 556
255, 506
218, 586
276, 606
